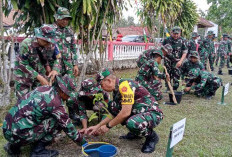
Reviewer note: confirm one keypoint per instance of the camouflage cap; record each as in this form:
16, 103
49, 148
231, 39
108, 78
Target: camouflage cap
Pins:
195, 34
103, 74
62, 13
176, 29
168, 48
225, 35
159, 52
45, 32
66, 84
193, 73
89, 87
194, 54
210, 33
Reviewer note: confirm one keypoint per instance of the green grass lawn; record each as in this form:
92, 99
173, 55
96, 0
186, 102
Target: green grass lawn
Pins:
208, 128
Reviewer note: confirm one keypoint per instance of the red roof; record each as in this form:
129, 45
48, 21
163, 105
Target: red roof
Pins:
132, 30
204, 23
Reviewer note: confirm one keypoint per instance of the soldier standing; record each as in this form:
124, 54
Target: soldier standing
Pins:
209, 46
177, 56
38, 117
67, 47
192, 45
223, 52
33, 64
132, 106
229, 52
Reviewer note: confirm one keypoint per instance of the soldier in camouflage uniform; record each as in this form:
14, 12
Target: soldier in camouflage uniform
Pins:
193, 62
223, 52
37, 56
67, 47
90, 97
210, 49
204, 83
192, 44
149, 54
178, 55
133, 106
38, 117
229, 52
149, 75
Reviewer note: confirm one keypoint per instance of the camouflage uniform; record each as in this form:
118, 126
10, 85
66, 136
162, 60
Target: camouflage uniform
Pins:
206, 83
192, 44
82, 101
179, 48
188, 65
229, 51
145, 113
66, 43
32, 60
146, 77
145, 56
223, 52
210, 49
40, 115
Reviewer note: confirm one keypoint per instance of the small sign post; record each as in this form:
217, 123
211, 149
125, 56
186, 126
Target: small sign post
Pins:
225, 91
175, 136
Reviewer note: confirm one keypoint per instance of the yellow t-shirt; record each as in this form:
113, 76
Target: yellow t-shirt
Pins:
127, 93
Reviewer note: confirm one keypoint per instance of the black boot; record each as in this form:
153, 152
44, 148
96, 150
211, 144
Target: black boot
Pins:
40, 151
220, 72
129, 136
12, 150
212, 69
151, 141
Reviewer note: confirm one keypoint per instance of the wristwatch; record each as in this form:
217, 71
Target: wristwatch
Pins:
107, 125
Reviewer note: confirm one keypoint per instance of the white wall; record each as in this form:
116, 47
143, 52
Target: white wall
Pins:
214, 28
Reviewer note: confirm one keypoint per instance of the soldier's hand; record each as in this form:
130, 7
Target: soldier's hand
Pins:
178, 64
103, 129
52, 75
75, 70
82, 131
91, 130
42, 80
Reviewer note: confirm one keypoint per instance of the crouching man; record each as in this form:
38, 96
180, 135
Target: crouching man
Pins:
203, 83
133, 106
38, 117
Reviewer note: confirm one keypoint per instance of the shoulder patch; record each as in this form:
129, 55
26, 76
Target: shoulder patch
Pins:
127, 93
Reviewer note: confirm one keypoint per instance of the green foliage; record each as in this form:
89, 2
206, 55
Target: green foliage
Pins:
187, 18
220, 12
169, 12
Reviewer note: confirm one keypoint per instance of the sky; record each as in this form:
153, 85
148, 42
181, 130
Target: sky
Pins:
201, 4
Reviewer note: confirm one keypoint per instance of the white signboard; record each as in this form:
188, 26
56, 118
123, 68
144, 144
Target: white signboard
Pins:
177, 132
226, 91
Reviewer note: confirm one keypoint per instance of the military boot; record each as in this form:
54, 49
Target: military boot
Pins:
12, 150
151, 141
129, 136
40, 151
220, 72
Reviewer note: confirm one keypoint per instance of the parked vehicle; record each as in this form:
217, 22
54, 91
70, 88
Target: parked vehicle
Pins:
133, 38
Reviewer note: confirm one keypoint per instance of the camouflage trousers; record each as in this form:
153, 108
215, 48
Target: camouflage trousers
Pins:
217, 59
211, 60
44, 132
228, 61
174, 73
204, 58
222, 62
210, 87
138, 124
153, 86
